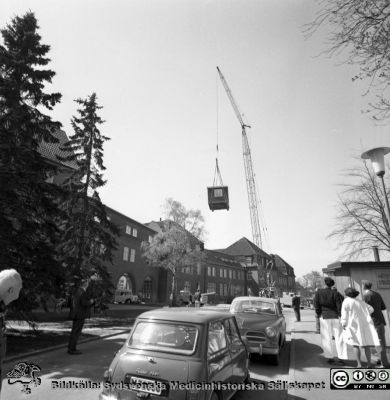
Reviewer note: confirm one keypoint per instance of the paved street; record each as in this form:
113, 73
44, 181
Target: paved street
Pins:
58, 365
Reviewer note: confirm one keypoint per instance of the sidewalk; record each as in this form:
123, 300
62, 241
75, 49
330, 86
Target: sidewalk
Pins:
307, 364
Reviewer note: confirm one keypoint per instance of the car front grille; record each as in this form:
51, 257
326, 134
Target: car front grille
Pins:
257, 337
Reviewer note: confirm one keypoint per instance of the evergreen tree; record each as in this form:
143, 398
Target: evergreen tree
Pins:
89, 237
28, 203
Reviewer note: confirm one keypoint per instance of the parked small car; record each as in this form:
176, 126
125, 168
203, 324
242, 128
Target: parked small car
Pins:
125, 297
171, 351
262, 325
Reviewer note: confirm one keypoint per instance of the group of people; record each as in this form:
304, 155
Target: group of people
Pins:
351, 321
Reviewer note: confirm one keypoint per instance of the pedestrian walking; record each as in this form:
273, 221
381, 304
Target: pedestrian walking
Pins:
359, 329
197, 298
327, 304
296, 305
82, 303
374, 299
10, 286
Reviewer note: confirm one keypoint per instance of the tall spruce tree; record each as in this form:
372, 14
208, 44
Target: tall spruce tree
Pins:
89, 236
28, 203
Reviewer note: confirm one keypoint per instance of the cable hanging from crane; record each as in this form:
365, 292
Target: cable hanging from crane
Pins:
218, 194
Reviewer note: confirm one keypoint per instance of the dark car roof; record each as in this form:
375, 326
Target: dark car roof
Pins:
185, 314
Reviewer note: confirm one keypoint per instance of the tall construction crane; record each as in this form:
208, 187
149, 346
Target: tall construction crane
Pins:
250, 176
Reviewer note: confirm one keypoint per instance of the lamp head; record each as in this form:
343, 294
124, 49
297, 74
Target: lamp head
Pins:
377, 157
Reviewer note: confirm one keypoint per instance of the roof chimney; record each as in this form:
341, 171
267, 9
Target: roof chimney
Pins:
376, 253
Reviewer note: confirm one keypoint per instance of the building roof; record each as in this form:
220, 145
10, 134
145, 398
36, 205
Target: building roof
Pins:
218, 257
52, 150
355, 264
244, 247
158, 226
284, 267
128, 219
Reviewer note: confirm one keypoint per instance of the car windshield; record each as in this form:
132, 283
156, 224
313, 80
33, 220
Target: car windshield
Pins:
166, 337
253, 306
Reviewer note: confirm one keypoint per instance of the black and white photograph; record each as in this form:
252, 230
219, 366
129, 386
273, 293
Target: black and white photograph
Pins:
194, 199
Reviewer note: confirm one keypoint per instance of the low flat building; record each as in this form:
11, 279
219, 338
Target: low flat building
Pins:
353, 274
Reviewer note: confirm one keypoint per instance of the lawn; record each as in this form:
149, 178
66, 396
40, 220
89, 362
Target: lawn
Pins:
26, 341
21, 339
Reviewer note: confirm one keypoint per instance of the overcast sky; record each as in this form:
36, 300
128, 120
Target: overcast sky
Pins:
153, 67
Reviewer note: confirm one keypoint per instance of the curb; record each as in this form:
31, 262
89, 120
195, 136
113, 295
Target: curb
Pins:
60, 346
291, 371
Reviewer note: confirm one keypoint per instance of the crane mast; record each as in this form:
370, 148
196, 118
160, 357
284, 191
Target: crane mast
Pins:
249, 174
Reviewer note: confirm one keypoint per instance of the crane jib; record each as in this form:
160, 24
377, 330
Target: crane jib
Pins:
250, 177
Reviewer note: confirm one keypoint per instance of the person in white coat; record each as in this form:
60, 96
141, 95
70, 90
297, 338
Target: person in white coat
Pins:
359, 330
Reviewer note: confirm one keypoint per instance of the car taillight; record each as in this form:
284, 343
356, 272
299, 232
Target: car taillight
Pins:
270, 332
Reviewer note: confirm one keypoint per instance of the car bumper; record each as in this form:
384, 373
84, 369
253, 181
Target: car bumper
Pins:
262, 349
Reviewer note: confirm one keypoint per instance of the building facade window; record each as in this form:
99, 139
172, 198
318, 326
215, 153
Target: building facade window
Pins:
150, 238
213, 271
128, 229
221, 272
125, 253
135, 232
383, 279
208, 271
198, 268
132, 255
147, 289
211, 287
230, 274
225, 273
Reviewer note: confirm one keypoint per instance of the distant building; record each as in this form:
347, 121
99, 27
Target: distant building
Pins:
283, 274
224, 275
217, 272
51, 151
254, 259
130, 270
353, 274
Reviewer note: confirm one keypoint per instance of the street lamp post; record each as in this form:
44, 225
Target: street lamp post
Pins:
377, 157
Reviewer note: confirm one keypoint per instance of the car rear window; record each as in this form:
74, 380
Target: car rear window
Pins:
253, 306
166, 337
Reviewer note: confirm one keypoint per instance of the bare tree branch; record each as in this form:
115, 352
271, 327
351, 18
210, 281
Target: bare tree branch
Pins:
361, 221
359, 29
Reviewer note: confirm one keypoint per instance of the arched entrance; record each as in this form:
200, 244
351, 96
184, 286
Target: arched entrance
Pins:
124, 283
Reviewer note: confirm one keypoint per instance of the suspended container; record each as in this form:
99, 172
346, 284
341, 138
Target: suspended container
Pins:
218, 195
